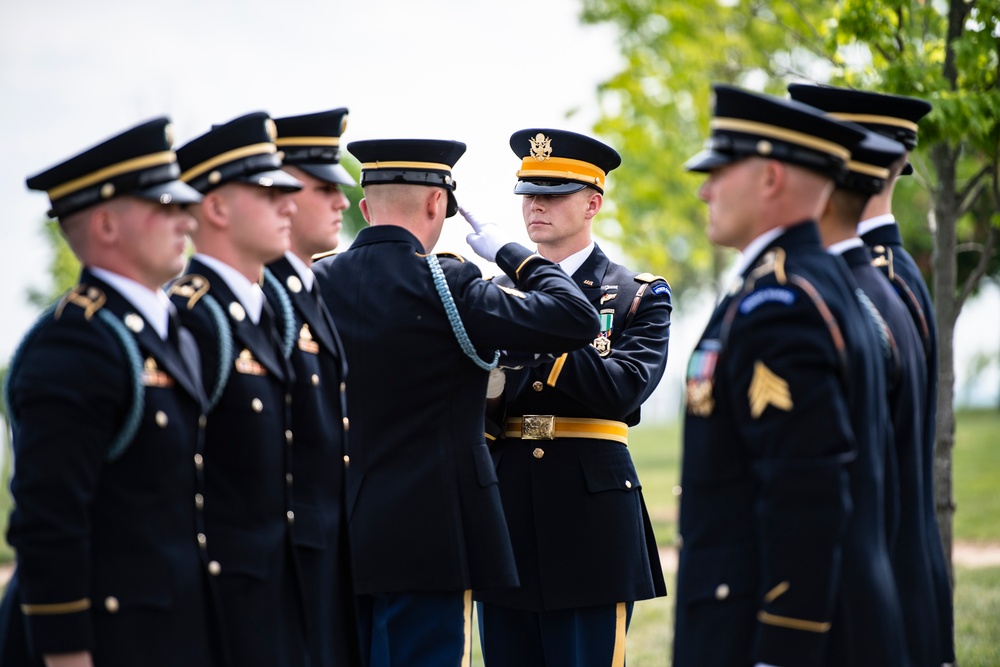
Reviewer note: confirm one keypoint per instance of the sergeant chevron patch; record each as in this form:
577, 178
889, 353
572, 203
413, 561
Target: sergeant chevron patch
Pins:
766, 389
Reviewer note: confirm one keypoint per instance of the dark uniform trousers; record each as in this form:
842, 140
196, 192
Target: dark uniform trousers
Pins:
425, 513
578, 524
319, 421
247, 467
886, 242
782, 521
107, 553
911, 561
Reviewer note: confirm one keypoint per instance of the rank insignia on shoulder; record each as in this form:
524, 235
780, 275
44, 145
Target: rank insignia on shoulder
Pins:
513, 292
88, 298
152, 376
246, 364
306, 342
767, 388
191, 287
701, 379
648, 278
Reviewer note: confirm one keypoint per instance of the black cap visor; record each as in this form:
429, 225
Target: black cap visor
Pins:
548, 187
326, 172
271, 179
171, 192
710, 159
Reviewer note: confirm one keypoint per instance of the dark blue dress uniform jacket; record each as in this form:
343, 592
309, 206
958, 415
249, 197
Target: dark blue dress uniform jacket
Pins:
905, 277
119, 534
319, 411
574, 506
907, 390
247, 474
783, 557
424, 505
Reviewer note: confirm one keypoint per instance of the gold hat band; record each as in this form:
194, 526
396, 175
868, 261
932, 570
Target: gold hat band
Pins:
307, 141
134, 164
783, 134
562, 167
878, 120
399, 164
867, 169
229, 156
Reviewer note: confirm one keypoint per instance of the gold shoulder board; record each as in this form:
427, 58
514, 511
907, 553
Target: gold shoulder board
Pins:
648, 278
320, 255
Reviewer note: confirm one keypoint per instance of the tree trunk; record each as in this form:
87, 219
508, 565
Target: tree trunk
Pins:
945, 263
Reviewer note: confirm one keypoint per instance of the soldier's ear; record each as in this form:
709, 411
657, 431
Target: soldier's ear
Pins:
594, 204
437, 199
363, 205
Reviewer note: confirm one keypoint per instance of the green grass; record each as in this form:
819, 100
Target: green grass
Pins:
976, 477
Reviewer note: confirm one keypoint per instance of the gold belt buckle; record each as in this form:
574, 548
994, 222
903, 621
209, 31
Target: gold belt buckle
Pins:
538, 427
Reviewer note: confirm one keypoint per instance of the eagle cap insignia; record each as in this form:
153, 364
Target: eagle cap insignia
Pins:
541, 147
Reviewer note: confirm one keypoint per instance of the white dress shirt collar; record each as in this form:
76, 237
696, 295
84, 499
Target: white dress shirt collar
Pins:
305, 273
249, 294
153, 305
866, 226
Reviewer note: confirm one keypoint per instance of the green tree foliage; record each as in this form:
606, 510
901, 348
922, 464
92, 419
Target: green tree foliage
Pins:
63, 270
656, 112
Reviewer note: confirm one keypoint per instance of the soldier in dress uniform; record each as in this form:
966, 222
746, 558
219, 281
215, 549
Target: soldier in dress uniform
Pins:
870, 166
245, 337
896, 117
311, 144
582, 539
421, 332
107, 413
783, 559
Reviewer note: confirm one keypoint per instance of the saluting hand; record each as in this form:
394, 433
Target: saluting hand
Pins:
486, 239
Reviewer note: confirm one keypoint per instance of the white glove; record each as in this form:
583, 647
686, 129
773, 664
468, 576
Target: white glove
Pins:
487, 239
497, 380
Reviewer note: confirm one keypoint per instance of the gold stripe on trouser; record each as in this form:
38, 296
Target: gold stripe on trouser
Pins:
467, 615
618, 657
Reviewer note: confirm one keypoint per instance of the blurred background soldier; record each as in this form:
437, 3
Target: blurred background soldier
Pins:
106, 411
421, 332
868, 170
782, 514
311, 144
243, 223
896, 117
582, 540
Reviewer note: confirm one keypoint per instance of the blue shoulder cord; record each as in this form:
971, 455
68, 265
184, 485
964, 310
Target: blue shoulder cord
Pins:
225, 340
132, 354
287, 314
454, 319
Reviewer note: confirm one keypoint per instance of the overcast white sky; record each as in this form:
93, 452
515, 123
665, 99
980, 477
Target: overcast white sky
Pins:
73, 73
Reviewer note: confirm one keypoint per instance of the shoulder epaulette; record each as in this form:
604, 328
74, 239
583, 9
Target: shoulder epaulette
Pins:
88, 298
648, 278
191, 287
320, 255
453, 255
